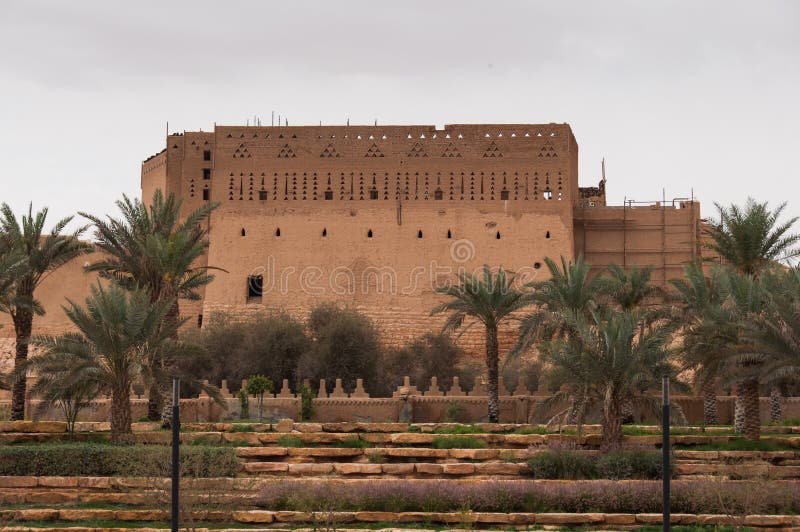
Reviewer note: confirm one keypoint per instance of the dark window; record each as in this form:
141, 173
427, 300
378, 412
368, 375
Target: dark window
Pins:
438, 194
324, 232
537, 265
243, 232
497, 236
206, 155
199, 321
547, 234
262, 194
548, 194
449, 234
369, 233
206, 173
504, 194
419, 233
255, 284
328, 194
278, 231
206, 194
373, 194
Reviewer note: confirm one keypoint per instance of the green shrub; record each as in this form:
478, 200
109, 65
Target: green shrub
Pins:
619, 465
290, 441
352, 442
458, 442
306, 403
460, 429
242, 427
454, 412
97, 459
562, 464
565, 464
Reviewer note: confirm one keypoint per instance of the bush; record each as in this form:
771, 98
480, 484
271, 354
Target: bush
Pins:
290, 441
576, 465
306, 403
352, 442
562, 464
270, 345
458, 442
102, 459
455, 412
607, 496
346, 345
529, 371
431, 355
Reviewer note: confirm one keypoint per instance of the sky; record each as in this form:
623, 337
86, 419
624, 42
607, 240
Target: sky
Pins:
683, 97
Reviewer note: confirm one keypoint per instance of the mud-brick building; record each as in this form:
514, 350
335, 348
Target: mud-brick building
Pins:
377, 217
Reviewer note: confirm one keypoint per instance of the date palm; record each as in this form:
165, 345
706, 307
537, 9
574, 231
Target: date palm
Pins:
41, 253
615, 363
751, 240
154, 248
696, 299
118, 331
490, 300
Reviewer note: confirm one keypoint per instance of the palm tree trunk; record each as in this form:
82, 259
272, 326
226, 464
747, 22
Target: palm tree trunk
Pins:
750, 407
23, 324
168, 367
492, 365
154, 402
612, 425
775, 407
120, 412
738, 410
709, 404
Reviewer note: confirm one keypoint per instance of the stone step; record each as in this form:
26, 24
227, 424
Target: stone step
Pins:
445, 470
466, 519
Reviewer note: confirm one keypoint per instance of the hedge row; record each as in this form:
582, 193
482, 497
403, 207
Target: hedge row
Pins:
98, 459
576, 465
602, 496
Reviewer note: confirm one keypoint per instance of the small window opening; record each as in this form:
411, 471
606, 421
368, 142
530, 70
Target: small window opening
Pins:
206, 173
548, 194
199, 321
278, 231
369, 233
206, 194
438, 194
504, 194
547, 234
262, 195
373, 194
419, 233
449, 234
537, 265
328, 194
255, 284
497, 236
244, 233
324, 232
206, 155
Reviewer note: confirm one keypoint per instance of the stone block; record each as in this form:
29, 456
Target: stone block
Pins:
398, 469
293, 517
254, 516
524, 439
412, 452
619, 519
428, 469
375, 517
569, 519
261, 452
284, 425
325, 452
265, 467
474, 454
242, 438
19, 482
94, 482
500, 468
140, 515
458, 469
358, 469
75, 514
410, 438
310, 469
308, 427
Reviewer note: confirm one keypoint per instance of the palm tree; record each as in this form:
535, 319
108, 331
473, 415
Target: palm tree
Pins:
489, 300
751, 238
613, 361
697, 299
117, 333
155, 249
42, 252
558, 302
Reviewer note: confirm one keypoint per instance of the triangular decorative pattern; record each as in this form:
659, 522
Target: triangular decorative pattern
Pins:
451, 151
493, 151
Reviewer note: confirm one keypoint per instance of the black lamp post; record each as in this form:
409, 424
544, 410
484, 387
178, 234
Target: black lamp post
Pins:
666, 471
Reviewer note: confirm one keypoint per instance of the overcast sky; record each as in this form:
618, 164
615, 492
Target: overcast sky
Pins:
680, 95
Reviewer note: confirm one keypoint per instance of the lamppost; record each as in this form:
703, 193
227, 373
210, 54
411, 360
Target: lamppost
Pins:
176, 455
666, 471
